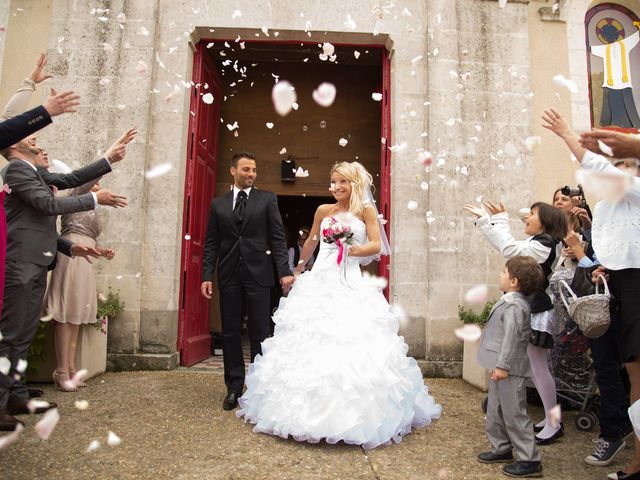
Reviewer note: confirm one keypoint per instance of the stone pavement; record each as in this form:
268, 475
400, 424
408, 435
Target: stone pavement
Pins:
172, 426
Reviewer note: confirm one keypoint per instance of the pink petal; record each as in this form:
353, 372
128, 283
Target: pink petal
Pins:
325, 94
283, 96
78, 378
12, 437
468, 333
44, 428
477, 294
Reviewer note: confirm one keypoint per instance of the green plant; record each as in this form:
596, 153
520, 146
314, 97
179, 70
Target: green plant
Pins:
109, 307
467, 315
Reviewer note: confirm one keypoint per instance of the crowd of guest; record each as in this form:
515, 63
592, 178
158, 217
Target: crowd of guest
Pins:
30, 245
569, 246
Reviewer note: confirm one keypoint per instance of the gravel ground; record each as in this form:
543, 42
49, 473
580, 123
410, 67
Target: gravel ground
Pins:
172, 426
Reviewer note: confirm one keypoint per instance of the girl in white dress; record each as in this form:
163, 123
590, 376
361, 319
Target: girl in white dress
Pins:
336, 368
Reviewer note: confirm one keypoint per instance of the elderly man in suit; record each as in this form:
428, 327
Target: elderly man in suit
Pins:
503, 351
32, 241
244, 237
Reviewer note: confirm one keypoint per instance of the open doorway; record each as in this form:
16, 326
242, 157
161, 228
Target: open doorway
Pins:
309, 137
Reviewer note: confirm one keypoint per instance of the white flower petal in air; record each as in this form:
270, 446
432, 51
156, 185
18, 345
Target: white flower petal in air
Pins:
207, 98
530, 143
325, 94
356, 54
93, 446
349, 22
502, 3
269, 125
81, 404
412, 205
604, 148
47, 254
60, 167
376, 96
283, 96
141, 67
468, 333
265, 30
21, 366
343, 142
121, 18
555, 415
416, 59
187, 237
268, 252
425, 158
77, 378
142, 31
477, 294
233, 126
34, 404
424, 186
328, 49
158, 171
236, 14
113, 439
44, 428
398, 148
5, 365
12, 437
104, 81
300, 173
565, 82
283, 151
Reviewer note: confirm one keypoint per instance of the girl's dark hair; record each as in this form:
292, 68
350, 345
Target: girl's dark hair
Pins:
553, 220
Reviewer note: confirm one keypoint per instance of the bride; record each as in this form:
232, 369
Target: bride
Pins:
336, 368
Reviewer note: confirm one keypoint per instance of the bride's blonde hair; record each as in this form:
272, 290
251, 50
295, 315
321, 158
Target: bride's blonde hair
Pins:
360, 180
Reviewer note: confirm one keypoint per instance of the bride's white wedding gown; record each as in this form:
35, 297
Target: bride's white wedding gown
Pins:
336, 368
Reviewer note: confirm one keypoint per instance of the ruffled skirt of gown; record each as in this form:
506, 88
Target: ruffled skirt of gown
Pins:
336, 368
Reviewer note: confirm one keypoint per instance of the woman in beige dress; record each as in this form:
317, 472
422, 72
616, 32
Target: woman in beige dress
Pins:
71, 295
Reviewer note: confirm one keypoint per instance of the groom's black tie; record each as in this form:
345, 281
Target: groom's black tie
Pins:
238, 211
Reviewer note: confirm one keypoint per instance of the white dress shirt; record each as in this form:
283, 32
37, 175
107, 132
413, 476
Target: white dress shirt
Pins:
616, 224
237, 190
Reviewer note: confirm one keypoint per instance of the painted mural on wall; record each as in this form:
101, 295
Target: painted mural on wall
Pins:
613, 34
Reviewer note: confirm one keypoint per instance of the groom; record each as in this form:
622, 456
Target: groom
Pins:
244, 237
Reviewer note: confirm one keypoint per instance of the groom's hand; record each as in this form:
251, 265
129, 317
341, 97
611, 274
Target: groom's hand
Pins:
287, 282
207, 289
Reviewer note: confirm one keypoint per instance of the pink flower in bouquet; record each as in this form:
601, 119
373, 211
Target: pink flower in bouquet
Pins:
338, 233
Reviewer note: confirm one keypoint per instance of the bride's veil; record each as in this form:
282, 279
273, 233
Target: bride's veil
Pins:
385, 248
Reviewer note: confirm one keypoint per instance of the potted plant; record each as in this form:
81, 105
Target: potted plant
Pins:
92, 341
472, 372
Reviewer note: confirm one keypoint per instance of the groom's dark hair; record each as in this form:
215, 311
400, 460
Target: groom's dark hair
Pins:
239, 155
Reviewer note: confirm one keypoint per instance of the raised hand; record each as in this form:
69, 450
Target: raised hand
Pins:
118, 149
572, 239
59, 103
79, 250
622, 144
107, 197
494, 209
39, 75
555, 122
475, 211
583, 216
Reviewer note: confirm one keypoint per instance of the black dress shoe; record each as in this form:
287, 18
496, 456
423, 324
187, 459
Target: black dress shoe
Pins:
523, 470
231, 401
490, 457
35, 393
8, 423
551, 439
17, 406
624, 476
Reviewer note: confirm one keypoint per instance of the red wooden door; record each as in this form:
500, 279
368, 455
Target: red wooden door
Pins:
385, 160
194, 341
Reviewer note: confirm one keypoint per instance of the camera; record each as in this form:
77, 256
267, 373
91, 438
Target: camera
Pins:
573, 191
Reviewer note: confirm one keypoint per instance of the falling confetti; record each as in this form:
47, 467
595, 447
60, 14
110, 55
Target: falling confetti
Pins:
47, 254
349, 22
81, 404
376, 96
158, 171
325, 94
477, 294
187, 237
424, 186
5, 365
530, 143
12, 437
356, 54
283, 151
93, 446
236, 14
604, 148
502, 3
77, 378
142, 31
468, 333
44, 428
113, 440
425, 158
104, 81
207, 98
300, 173
141, 67
268, 252
21, 366
412, 205
565, 82
283, 96
343, 142
33, 405
269, 125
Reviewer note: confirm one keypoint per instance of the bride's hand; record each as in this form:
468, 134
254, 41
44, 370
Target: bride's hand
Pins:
352, 250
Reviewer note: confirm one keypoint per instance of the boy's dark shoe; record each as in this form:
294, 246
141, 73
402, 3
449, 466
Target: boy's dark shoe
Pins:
523, 470
490, 457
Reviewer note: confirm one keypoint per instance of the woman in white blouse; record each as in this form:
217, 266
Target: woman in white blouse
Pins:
616, 242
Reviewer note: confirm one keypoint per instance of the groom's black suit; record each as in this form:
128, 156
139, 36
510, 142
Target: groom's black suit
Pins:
244, 255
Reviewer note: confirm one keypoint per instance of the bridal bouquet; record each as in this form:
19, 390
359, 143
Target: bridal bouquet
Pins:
338, 233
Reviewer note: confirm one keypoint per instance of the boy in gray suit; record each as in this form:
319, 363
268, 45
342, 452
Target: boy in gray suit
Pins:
503, 351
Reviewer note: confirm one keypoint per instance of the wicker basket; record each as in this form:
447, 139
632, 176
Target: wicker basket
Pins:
591, 312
